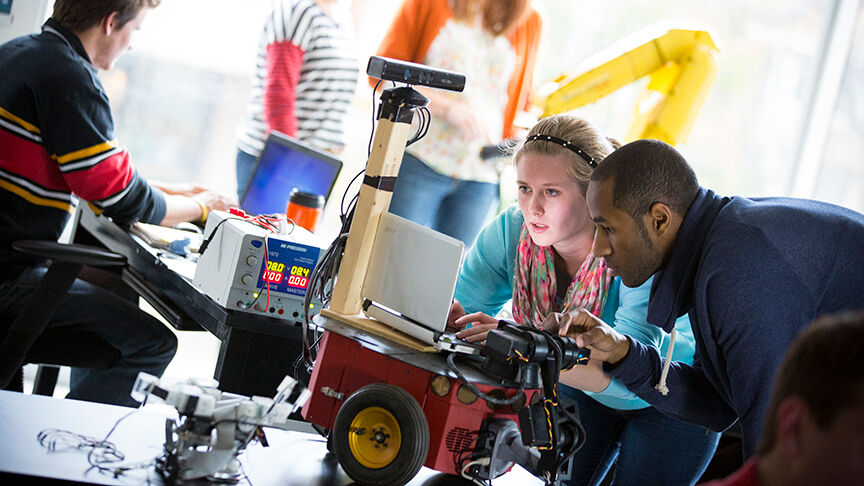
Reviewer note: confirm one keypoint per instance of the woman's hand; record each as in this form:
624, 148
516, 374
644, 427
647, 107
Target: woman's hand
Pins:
456, 311
462, 117
481, 324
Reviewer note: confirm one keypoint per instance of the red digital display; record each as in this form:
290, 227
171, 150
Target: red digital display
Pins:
271, 276
298, 281
274, 274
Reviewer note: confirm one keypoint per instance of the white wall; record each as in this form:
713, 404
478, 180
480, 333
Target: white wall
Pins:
26, 17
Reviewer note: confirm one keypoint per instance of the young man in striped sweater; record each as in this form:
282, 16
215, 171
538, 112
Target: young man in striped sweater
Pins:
57, 147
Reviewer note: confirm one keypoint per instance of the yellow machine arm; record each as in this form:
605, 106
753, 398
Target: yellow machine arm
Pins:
681, 65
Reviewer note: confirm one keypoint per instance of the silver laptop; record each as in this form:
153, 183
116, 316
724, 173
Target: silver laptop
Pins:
411, 280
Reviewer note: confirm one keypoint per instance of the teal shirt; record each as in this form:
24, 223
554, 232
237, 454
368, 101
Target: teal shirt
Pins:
486, 285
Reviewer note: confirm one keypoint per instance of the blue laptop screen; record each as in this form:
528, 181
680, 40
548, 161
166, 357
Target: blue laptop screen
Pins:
286, 164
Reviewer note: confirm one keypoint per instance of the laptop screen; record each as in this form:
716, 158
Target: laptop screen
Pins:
286, 164
413, 271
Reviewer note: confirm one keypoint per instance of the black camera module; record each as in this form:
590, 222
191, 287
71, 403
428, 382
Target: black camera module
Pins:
414, 74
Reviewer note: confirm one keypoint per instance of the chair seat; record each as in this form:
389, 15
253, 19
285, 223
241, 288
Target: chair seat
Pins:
30, 325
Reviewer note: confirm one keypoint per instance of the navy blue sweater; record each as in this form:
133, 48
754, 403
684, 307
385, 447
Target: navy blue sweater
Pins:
751, 273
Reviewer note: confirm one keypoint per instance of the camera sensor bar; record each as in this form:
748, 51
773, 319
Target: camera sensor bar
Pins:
414, 74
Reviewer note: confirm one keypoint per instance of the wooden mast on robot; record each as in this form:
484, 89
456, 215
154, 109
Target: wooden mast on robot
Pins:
396, 112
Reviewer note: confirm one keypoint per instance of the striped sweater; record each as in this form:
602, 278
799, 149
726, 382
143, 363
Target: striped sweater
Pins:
305, 77
56, 145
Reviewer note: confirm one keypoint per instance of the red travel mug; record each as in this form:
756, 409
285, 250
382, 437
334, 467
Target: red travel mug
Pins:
304, 208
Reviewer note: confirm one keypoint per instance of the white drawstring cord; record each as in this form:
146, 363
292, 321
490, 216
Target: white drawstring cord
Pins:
661, 386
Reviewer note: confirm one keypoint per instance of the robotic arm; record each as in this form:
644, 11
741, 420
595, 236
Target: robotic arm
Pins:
549, 433
214, 427
681, 65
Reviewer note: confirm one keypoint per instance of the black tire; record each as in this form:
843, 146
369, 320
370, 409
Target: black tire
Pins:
413, 435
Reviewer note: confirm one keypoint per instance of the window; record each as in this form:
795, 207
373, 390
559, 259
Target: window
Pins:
840, 175
179, 96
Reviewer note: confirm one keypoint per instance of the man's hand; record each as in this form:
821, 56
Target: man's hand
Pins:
214, 200
178, 188
588, 330
194, 207
481, 324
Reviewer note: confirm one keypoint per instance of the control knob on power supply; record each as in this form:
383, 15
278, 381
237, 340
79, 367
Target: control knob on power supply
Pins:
251, 260
247, 279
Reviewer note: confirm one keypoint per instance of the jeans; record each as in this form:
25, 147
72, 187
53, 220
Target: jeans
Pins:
144, 343
650, 447
455, 207
245, 169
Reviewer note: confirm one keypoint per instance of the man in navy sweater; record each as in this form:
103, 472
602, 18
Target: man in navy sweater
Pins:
751, 273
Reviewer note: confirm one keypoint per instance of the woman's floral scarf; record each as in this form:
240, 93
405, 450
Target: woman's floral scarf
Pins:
535, 286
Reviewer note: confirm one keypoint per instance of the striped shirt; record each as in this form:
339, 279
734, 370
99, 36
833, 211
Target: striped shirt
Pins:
56, 145
305, 77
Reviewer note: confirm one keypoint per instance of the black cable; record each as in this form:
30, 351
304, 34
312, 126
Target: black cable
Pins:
459, 456
243, 471
374, 118
421, 117
428, 120
320, 286
342, 209
451, 362
425, 118
580, 440
207, 240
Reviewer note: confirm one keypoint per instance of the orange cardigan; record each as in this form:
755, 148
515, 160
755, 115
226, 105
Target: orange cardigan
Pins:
417, 24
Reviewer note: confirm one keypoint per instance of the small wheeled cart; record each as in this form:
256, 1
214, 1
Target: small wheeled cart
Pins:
392, 408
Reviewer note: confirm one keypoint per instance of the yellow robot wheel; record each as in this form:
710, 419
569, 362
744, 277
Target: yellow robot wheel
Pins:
380, 435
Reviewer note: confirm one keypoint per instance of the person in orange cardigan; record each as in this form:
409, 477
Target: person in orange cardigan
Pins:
443, 183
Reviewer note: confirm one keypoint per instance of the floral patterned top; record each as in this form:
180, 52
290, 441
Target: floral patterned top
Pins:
488, 66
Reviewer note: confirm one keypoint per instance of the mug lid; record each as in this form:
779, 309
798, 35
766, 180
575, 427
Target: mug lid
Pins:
308, 199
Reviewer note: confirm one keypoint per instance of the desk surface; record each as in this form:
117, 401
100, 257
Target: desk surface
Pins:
293, 458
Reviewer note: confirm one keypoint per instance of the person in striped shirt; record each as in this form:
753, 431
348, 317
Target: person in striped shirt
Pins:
305, 78
57, 148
